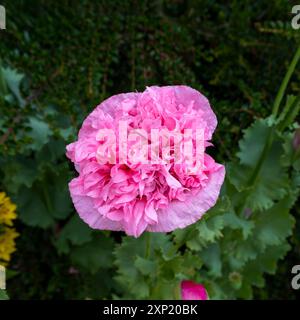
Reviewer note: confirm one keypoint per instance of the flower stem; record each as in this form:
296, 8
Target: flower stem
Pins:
285, 82
255, 175
148, 245
291, 114
277, 102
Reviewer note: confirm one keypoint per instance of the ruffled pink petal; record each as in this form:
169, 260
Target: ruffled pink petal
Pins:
87, 212
200, 102
179, 214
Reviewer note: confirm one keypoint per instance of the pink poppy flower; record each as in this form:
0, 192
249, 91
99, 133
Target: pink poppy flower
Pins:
121, 186
193, 291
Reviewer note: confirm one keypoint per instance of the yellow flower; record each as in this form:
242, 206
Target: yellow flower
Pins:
7, 210
7, 244
7, 234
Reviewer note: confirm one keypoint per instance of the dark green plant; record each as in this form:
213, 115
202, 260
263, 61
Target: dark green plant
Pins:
218, 48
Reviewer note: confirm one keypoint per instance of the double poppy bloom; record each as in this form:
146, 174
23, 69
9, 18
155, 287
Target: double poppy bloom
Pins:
121, 187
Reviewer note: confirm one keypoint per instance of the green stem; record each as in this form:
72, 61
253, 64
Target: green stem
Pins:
277, 102
285, 82
291, 115
148, 245
254, 177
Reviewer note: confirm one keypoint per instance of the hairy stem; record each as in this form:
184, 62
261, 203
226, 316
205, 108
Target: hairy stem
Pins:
148, 245
285, 82
291, 114
255, 175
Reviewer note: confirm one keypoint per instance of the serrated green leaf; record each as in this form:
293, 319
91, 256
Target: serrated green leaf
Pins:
241, 252
145, 266
19, 172
234, 222
274, 225
211, 256
59, 195
291, 156
266, 262
131, 248
51, 152
32, 208
40, 133
190, 233
94, 255
48, 199
75, 232
253, 142
208, 231
166, 290
260, 195
13, 80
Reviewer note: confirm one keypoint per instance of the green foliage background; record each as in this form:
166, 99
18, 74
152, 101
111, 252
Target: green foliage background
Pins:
60, 59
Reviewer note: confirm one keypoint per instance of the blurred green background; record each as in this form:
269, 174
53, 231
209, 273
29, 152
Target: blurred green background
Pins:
74, 54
